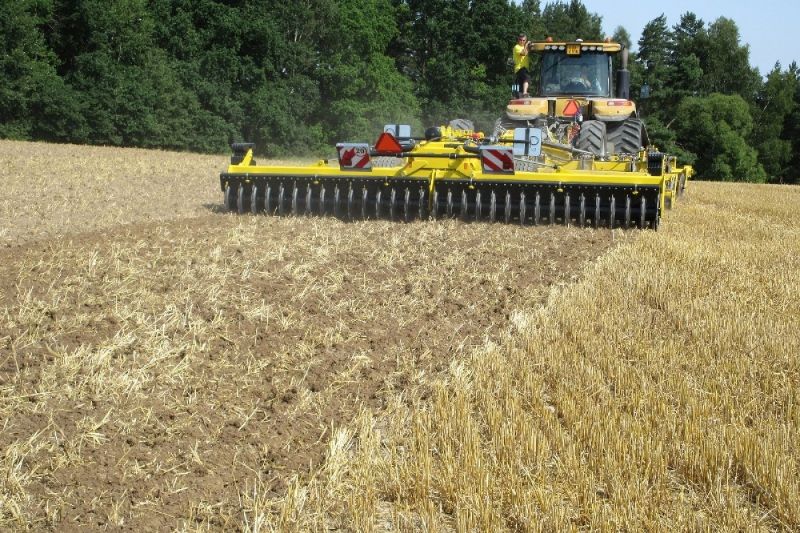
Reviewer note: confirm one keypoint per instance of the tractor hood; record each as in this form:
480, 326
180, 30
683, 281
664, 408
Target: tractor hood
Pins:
567, 107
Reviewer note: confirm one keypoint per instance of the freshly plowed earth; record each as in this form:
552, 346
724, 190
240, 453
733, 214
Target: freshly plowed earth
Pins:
159, 358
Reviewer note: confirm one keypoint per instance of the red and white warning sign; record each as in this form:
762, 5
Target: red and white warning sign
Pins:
571, 109
354, 156
497, 159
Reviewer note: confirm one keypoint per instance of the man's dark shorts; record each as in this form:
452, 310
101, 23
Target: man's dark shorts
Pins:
522, 76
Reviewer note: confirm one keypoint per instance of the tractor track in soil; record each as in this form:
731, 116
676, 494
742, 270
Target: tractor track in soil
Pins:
151, 370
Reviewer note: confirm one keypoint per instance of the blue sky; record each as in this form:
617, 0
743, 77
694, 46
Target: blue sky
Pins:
770, 27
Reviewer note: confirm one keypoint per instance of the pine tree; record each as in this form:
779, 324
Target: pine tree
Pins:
727, 69
622, 37
689, 52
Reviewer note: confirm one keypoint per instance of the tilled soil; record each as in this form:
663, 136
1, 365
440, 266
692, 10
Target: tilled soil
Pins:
156, 367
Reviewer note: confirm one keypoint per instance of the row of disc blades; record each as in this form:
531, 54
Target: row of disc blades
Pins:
533, 206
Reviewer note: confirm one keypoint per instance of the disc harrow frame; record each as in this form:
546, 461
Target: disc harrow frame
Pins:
444, 178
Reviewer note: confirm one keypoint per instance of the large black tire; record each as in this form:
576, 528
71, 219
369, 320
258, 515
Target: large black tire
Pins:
626, 136
592, 138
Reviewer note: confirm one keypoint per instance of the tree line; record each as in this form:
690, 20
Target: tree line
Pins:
296, 77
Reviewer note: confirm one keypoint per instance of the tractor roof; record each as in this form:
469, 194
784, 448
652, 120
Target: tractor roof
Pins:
585, 46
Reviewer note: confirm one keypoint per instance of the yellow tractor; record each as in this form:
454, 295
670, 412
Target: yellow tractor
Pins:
569, 156
576, 101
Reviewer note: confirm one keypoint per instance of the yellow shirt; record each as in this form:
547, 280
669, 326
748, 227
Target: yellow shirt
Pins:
519, 59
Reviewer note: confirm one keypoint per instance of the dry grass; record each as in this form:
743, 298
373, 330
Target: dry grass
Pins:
165, 366
52, 190
660, 392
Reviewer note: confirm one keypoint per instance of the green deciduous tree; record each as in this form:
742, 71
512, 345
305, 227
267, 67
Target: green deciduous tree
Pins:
361, 86
130, 94
35, 103
455, 52
278, 77
572, 20
715, 128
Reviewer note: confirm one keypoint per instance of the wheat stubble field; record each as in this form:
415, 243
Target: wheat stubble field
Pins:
164, 365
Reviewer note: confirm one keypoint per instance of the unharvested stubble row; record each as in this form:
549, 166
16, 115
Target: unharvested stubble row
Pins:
658, 393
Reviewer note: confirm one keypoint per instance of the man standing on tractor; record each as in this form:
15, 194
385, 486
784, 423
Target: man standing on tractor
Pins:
522, 65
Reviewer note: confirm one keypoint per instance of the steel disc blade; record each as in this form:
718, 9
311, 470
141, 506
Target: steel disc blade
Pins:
230, 203
537, 209
364, 193
322, 200
407, 205
253, 199
281, 190
567, 219
597, 211
336, 199
240, 199
449, 203
267, 199
522, 208
657, 219
643, 222
582, 219
612, 212
435, 204
478, 206
508, 207
307, 209
627, 211
464, 204
294, 199
492, 206
421, 204
351, 193
552, 208
392, 198
378, 204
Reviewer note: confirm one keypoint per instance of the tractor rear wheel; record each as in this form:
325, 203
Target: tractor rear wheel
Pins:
592, 138
626, 136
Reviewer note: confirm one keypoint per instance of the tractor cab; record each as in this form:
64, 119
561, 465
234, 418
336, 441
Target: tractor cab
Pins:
575, 74
572, 75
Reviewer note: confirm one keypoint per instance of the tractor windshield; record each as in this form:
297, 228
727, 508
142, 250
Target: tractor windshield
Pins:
586, 75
